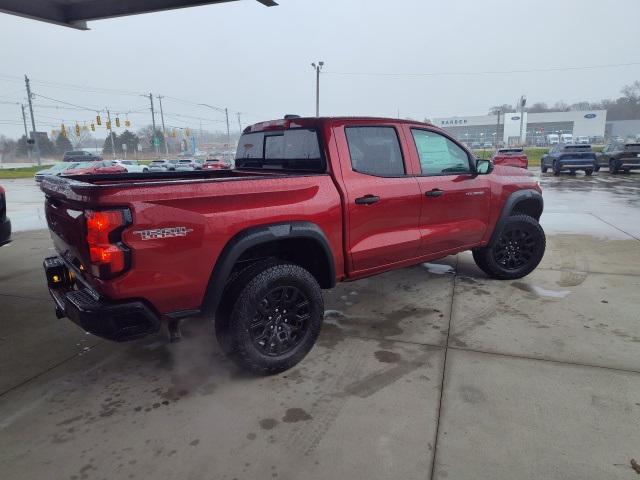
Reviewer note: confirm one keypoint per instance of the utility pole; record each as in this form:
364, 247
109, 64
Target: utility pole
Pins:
497, 129
33, 122
239, 123
113, 144
523, 102
26, 133
153, 122
226, 114
317, 68
164, 132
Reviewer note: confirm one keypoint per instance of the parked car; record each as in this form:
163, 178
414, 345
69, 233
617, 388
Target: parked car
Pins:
187, 165
311, 202
163, 165
553, 139
566, 138
476, 144
487, 145
54, 170
619, 156
513, 157
569, 157
80, 156
94, 168
582, 140
215, 164
5, 223
132, 166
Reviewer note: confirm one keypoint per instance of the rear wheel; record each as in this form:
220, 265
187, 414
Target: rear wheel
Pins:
588, 172
556, 168
271, 317
516, 252
596, 168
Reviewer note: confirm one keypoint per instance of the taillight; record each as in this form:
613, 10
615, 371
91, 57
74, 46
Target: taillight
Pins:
108, 255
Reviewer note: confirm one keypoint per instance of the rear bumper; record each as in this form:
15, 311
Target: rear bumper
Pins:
118, 321
577, 165
5, 231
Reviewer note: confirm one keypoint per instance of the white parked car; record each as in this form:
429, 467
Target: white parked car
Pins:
132, 166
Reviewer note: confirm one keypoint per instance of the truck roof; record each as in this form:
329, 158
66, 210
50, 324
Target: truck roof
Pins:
293, 122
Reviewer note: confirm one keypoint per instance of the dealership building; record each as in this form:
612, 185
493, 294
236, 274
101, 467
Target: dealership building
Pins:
535, 127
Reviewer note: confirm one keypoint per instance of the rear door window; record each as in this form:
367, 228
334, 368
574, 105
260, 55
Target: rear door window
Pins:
375, 151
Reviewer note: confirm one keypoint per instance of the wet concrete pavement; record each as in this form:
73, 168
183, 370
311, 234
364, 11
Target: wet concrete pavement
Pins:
430, 368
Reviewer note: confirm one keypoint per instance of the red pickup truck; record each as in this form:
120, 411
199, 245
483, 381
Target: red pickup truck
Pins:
310, 202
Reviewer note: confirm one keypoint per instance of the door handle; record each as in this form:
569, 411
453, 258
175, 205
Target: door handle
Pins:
367, 200
436, 192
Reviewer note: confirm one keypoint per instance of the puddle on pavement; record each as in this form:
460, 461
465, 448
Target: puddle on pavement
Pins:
540, 291
438, 269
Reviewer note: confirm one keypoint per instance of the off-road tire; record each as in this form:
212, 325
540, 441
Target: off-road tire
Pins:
248, 291
530, 247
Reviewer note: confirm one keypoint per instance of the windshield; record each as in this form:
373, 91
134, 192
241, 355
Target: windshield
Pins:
294, 149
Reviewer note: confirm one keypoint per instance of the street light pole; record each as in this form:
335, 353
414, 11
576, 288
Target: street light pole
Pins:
523, 102
318, 68
113, 144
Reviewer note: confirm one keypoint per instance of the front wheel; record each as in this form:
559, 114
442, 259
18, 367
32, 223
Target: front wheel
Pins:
272, 318
543, 167
556, 168
588, 172
516, 252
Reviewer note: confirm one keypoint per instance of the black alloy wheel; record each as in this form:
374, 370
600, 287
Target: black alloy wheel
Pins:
514, 249
281, 321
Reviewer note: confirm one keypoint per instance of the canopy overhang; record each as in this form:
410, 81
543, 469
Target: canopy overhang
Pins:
76, 13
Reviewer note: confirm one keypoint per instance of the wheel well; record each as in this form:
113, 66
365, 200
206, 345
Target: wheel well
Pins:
528, 206
305, 252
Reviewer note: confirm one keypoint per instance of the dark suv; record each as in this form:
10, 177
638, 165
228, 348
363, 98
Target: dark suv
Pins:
80, 156
569, 157
619, 156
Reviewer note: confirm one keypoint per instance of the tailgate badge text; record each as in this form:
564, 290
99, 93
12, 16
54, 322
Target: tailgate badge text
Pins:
159, 233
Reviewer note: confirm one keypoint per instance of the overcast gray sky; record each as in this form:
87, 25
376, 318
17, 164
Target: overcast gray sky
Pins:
256, 60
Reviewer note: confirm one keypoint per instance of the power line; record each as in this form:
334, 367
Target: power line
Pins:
79, 107
486, 72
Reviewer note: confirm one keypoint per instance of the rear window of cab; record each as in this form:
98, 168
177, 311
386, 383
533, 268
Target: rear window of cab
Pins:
293, 149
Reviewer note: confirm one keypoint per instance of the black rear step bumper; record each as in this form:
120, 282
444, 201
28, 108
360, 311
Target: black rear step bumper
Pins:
117, 321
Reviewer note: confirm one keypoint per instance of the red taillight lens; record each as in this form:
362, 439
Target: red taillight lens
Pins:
108, 255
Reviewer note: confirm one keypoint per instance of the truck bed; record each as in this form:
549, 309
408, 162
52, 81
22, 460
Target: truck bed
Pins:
211, 207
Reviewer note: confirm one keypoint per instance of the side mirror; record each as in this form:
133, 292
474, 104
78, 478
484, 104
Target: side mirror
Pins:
483, 166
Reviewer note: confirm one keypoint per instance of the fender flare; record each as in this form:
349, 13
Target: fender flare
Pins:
251, 237
509, 206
